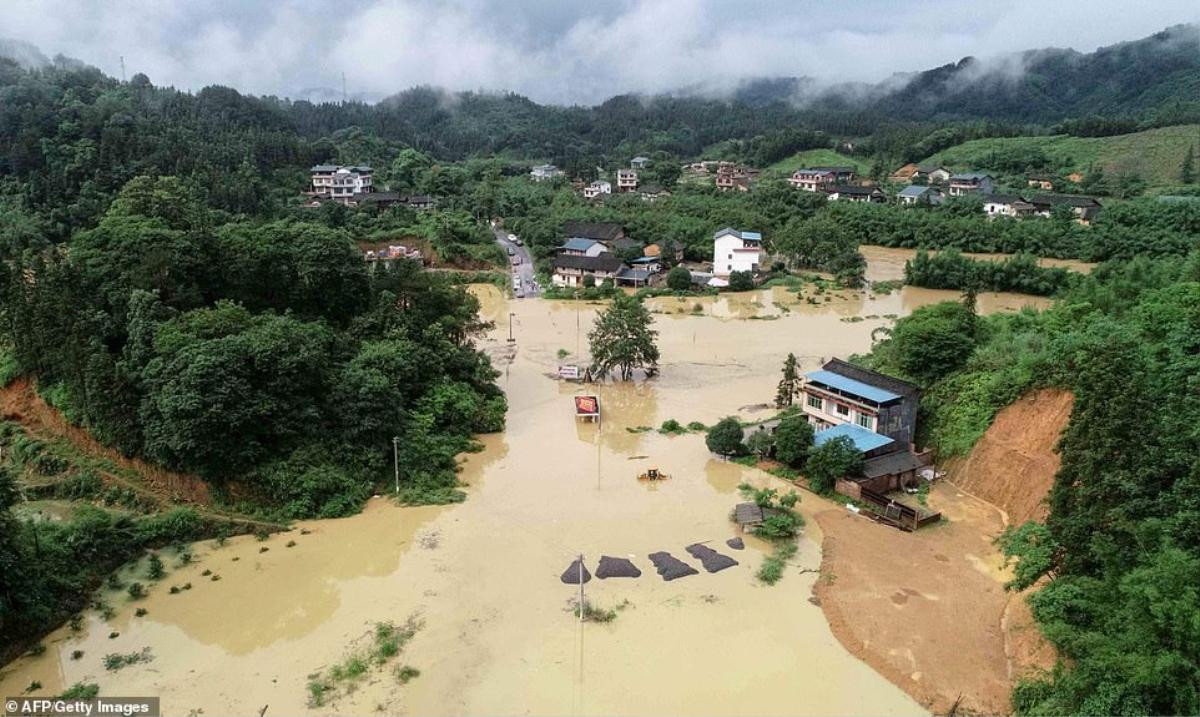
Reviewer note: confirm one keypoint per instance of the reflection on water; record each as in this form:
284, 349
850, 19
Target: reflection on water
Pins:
483, 575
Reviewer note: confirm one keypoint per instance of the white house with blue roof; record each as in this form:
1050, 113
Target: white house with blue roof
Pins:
878, 413
736, 250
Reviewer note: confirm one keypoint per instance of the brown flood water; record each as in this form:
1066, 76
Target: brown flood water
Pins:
483, 576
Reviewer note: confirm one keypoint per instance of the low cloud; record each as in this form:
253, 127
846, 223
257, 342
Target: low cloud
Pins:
554, 51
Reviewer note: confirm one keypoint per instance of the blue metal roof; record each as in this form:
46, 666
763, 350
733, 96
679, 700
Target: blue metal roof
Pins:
849, 385
577, 244
744, 236
914, 190
863, 439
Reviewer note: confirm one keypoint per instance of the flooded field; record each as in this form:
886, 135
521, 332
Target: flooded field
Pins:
887, 264
498, 635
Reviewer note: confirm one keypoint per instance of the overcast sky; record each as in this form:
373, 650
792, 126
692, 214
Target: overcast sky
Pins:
561, 51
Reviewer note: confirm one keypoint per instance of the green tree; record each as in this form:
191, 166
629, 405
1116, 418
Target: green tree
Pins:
933, 341
725, 437
679, 279
793, 440
761, 443
622, 340
741, 281
833, 459
789, 385
1187, 171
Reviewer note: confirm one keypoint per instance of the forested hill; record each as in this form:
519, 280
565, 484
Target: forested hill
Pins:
1156, 76
1148, 82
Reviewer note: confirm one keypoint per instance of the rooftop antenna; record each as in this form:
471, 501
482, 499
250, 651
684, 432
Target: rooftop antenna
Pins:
122, 68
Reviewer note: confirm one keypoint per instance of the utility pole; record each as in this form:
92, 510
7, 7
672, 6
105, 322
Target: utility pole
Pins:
343, 88
581, 588
510, 334
396, 460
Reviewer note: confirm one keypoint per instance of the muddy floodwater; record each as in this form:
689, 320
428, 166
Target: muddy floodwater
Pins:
497, 633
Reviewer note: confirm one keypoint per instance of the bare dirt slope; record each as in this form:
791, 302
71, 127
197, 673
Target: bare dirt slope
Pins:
19, 402
928, 610
1013, 465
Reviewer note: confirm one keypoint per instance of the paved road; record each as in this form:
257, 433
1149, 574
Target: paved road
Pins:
524, 270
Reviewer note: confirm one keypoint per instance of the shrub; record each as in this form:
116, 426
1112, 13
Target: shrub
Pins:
741, 281
725, 438
679, 279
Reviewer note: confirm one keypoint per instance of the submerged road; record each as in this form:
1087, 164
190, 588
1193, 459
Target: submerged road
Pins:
522, 271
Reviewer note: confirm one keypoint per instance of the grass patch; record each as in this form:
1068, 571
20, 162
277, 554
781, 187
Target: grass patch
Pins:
114, 661
773, 565
884, 288
386, 642
81, 691
591, 613
406, 674
671, 427
638, 429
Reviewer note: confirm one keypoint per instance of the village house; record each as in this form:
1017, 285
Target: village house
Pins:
652, 193
340, 183
731, 176
970, 183
545, 172
811, 179
854, 193
627, 180
652, 264
639, 162
597, 188
931, 173
634, 276
570, 270
878, 413
920, 194
603, 232
581, 247
1041, 181
1083, 208
841, 174
1006, 205
735, 250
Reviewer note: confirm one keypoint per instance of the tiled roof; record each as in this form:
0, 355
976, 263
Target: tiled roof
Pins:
606, 263
863, 439
852, 386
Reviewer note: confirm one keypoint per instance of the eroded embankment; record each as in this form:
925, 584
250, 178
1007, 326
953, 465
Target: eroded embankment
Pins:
1013, 465
20, 402
928, 610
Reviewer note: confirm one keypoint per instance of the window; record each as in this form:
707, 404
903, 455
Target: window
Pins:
842, 409
815, 402
864, 420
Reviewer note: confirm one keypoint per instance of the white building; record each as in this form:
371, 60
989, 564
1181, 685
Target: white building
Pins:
544, 172
597, 188
340, 183
626, 180
735, 250
639, 162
